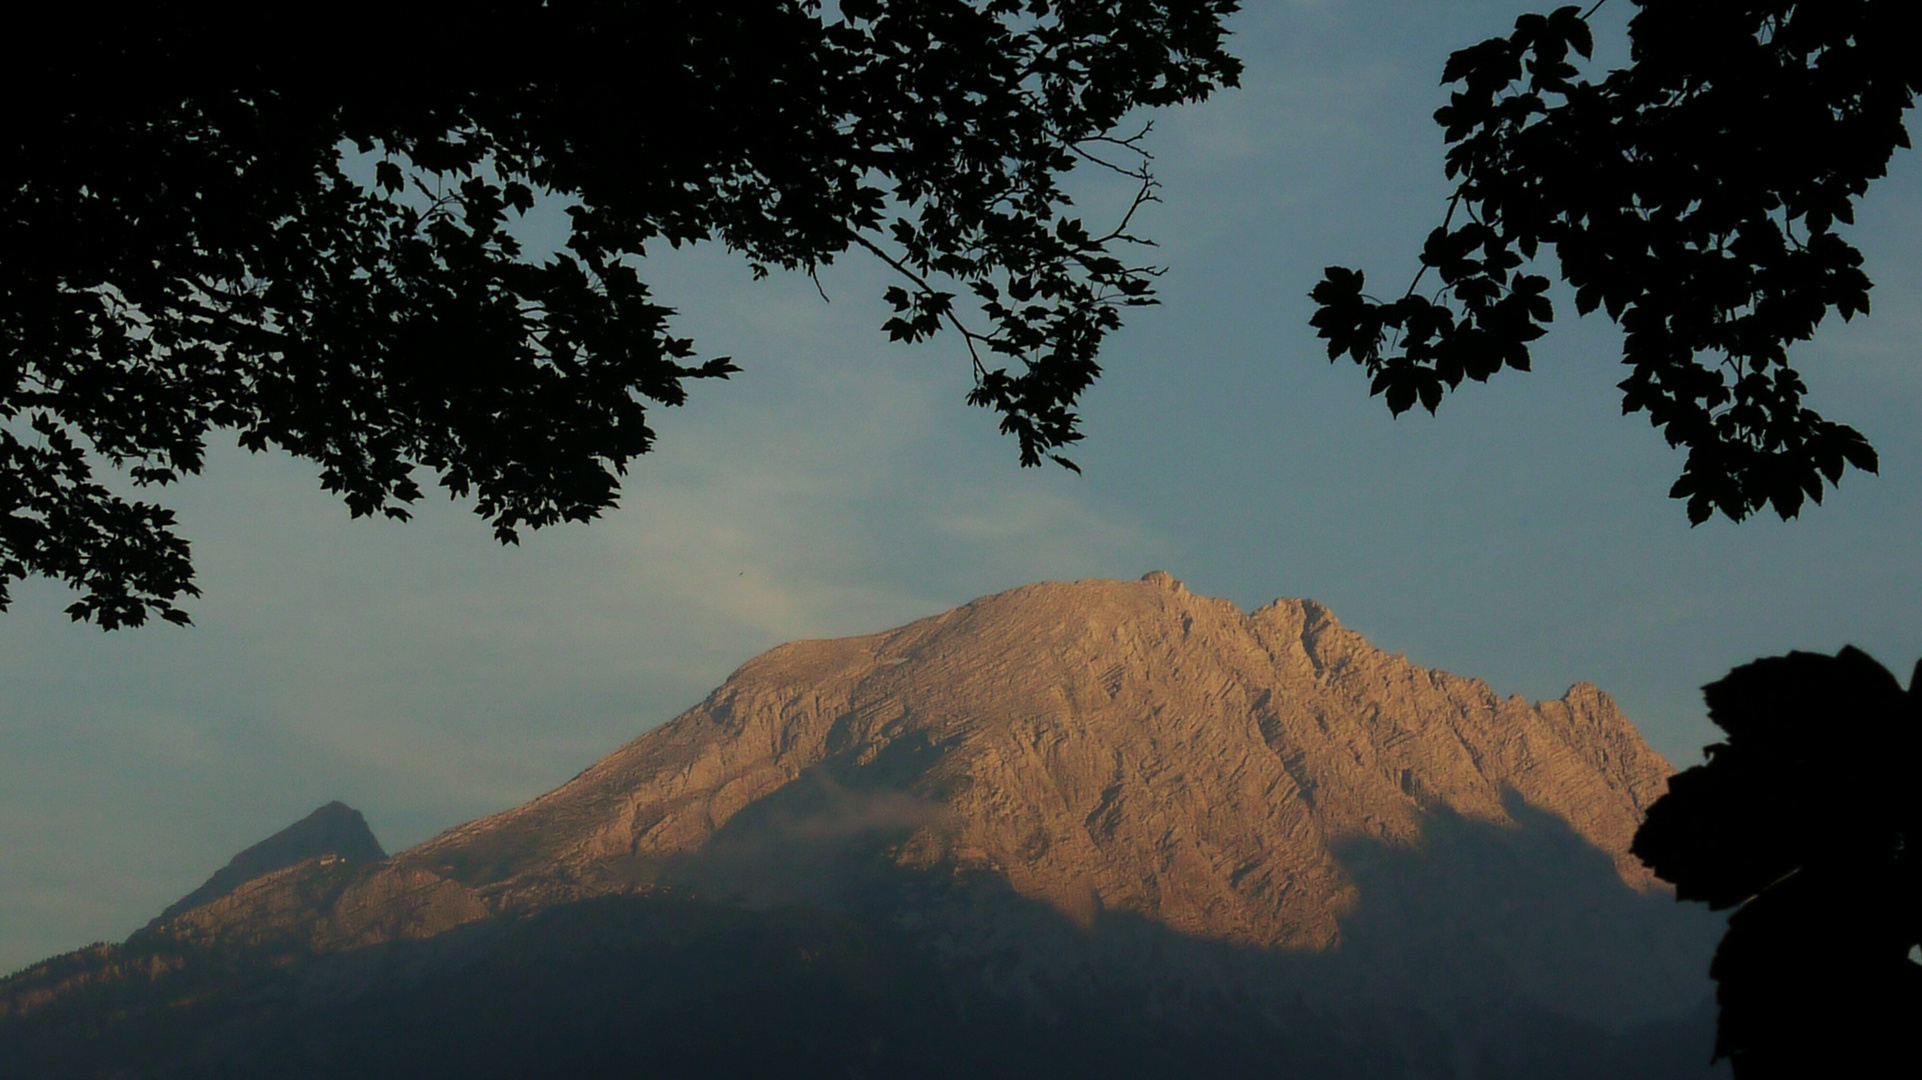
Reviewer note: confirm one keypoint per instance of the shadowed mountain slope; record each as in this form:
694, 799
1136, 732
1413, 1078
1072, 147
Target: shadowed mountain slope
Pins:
335, 829
1070, 824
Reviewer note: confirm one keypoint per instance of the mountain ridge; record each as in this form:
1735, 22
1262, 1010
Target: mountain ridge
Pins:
334, 829
1113, 801
801, 703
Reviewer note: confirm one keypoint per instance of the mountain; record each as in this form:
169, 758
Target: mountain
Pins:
335, 829
1100, 828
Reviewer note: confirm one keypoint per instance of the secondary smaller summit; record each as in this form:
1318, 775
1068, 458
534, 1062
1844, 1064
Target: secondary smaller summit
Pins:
335, 829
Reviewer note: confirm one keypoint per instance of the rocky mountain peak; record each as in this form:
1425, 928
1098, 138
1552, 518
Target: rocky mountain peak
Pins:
1181, 837
1162, 579
335, 830
1115, 746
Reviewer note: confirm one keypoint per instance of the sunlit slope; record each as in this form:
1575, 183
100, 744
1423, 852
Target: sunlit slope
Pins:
1133, 824
1122, 745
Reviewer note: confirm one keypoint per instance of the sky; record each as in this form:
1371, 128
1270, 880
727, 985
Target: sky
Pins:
839, 485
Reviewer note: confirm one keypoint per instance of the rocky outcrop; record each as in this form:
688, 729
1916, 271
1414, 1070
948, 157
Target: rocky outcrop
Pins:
326, 905
1121, 746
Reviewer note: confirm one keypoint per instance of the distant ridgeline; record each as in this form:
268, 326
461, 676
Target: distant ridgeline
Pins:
1101, 829
335, 830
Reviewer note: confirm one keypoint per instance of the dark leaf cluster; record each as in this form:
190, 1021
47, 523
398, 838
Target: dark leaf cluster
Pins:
1695, 196
294, 224
1808, 821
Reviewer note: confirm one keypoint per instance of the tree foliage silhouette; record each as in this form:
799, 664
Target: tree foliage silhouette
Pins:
1696, 196
294, 224
1815, 837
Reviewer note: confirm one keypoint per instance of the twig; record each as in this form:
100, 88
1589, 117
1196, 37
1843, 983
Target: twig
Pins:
1446, 220
1143, 197
1138, 174
968, 337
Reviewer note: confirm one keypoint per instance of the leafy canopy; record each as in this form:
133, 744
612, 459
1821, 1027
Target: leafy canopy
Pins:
189, 246
1696, 195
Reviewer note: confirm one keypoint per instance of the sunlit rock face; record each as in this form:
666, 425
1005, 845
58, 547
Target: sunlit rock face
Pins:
1098, 798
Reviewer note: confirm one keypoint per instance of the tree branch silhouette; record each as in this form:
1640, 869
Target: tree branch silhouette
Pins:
1669, 193
204, 254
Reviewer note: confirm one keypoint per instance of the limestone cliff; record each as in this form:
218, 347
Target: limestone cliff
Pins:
1122, 746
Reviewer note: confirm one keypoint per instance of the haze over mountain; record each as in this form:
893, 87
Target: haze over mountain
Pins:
335, 829
1100, 828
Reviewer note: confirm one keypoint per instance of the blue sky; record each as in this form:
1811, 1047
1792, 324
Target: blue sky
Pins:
839, 485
